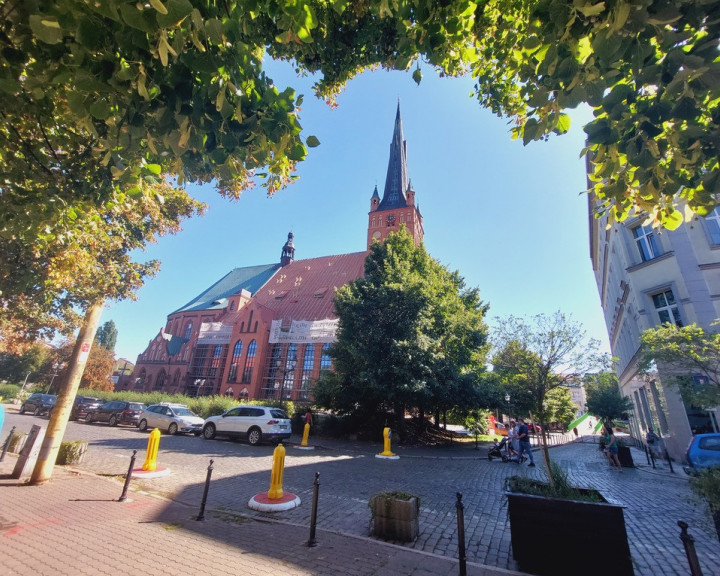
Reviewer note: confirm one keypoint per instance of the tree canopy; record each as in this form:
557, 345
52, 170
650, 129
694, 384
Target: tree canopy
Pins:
689, 357
133, 90
411, 336
107, 335
603, 397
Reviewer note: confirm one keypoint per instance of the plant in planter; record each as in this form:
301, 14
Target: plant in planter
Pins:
562, 530
395, 515
71, 453
706, 484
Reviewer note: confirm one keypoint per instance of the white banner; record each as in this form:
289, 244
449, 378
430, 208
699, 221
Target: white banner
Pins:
304, 331
214, 333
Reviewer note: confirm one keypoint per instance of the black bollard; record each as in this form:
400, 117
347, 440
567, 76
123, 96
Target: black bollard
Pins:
313, 515
7, 444
669, 461
123, 496
201, 516
461, 534
689, 543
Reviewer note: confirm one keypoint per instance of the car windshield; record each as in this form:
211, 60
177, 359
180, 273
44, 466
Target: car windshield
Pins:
184, 412
49, 398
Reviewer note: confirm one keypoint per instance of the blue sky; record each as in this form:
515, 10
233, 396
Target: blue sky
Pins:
511, 218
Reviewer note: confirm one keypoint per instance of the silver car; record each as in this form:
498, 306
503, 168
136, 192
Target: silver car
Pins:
172, 418
256, 423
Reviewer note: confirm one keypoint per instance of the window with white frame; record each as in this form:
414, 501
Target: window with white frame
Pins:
667, 308
713, 225
647, 243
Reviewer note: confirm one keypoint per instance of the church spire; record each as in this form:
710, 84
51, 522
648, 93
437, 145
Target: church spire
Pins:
396, 182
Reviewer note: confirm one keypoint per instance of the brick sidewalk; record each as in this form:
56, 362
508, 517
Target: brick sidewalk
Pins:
75, 525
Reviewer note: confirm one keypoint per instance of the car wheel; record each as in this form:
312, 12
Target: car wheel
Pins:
172, 429
113, 420
208, 431
22, 409
37, 411
142, 425
88, 418
254, 436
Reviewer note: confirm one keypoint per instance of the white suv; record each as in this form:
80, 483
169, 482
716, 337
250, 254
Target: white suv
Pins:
173, 418
256, 423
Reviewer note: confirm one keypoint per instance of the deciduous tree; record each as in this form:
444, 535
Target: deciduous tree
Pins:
603, 396
107, 335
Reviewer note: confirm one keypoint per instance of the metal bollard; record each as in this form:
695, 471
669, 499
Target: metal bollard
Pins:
201, 516
313, 515
647, 453
7, 444
669, 461
123, 496
461, 534
689, 543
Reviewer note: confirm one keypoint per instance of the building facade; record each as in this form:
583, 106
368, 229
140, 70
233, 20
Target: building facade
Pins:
264, 331
645, 278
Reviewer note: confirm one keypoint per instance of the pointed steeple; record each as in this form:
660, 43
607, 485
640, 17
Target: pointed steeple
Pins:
396, 182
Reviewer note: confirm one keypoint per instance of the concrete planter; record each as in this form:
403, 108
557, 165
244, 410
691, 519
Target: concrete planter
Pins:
395, 517
556, 537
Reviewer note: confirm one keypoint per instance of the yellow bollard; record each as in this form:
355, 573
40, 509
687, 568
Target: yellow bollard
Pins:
152, 450
276, 476
387, 435
306, 433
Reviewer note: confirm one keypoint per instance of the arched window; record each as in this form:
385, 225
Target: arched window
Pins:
249, 362
188, 330
235, 361
176, 378
215, 361
325, 360
160, 381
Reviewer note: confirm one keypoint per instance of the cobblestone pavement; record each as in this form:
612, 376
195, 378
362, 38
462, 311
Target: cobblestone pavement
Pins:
350, 474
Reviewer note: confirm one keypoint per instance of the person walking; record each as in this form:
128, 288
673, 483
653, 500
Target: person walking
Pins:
611, 448
512, 439
524, 441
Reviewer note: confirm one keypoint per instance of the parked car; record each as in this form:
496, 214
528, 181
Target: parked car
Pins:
256, 423
81, 406
115, 412
703, 451
172, 418
38, 403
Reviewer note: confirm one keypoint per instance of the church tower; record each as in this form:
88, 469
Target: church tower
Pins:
397, 207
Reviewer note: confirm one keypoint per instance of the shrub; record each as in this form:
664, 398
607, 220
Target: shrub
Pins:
9, 391
706, 483
71, 452
561, 487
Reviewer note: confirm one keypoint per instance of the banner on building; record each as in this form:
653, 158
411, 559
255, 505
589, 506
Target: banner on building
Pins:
301, 331
214, 333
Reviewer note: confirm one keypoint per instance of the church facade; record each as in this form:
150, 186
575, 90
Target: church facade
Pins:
264, 331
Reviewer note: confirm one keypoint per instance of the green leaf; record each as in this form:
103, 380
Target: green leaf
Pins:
177, 11
159, 6
417, 75
46, 29
154, 168
100, 110
563, 124
672, 220
312, 142
592, 9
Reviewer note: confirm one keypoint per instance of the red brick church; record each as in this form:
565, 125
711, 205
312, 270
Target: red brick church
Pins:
264, 331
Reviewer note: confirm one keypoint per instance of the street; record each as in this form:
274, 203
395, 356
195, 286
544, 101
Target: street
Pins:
350, 474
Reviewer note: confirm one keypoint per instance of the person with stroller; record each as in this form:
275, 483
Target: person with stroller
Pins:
513, 442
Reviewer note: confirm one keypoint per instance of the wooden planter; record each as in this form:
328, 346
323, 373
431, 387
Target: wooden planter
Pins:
395, 519
555, 537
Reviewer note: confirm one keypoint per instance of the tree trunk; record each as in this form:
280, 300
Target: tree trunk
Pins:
69, 387
544, 447
437, 419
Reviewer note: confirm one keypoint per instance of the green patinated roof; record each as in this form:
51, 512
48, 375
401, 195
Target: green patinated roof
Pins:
250, 278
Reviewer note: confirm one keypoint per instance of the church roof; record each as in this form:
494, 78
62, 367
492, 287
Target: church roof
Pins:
396, 182
250, 278
305, 289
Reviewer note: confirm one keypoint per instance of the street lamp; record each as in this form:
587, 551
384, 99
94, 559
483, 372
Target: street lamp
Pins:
199, 384
55, 367
507, 399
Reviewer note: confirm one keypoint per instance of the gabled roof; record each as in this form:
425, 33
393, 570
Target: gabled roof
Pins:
250, 278
305, 289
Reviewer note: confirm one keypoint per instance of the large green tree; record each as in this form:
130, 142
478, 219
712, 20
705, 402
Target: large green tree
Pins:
177, 87
603, 396
411, 336
540, 355
107, 335
689, 357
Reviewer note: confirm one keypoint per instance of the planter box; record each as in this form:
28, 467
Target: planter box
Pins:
395, 519
554, 537
625, 457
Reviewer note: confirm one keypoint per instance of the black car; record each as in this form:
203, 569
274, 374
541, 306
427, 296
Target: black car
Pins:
38, 404
116, 412
82, 405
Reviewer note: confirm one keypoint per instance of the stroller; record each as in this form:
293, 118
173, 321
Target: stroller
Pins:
506, 455
496, 451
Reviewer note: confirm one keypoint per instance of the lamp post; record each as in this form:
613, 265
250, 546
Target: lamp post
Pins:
199, 383
507, 399
290, 364
55, 367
